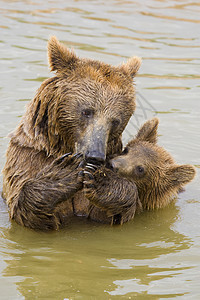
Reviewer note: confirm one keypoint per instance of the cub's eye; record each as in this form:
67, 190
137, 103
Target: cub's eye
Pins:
115, 123
140, 170
125, 151
87, 113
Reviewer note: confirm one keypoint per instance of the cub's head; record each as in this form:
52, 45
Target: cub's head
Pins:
154, 171
88, 102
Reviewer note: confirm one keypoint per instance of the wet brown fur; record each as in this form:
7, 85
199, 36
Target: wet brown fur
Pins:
38, 187
117, 196
157, 177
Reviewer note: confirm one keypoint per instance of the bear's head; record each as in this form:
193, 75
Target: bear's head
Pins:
154, 171
86, 105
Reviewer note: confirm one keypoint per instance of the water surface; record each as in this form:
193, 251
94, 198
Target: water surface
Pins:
155, 256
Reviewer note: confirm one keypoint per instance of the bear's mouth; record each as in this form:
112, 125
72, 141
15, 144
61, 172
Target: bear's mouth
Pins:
95, 162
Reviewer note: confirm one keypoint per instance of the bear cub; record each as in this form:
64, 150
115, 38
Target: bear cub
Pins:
154, 171
146, 165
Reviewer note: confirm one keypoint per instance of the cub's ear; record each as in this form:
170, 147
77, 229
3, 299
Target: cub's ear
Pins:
179, 175
59, 56
148, 131
132, 66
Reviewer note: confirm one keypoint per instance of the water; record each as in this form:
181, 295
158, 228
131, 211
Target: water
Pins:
155, 256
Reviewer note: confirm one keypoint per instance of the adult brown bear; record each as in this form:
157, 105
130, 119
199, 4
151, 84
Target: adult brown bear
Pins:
83, 109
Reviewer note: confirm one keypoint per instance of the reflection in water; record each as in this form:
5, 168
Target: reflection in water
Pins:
92, 259
157, 254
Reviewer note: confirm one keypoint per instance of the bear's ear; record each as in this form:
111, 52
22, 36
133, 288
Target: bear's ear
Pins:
148, 131
179, 175
59, 56
132, 66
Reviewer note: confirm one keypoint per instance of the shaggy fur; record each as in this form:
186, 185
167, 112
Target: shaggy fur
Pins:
157, 177
143, 176
84, 108
116, 195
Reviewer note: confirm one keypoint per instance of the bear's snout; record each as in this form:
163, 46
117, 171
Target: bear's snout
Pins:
96, 149
95, 142
95, 155
119, 165
114, 166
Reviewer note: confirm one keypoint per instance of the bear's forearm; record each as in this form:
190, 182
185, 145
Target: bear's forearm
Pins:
117, 197
35, 206
36, 203
112, 193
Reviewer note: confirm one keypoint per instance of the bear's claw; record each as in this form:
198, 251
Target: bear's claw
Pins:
91, 167
60, 159
88, 174
66, 155
77, 155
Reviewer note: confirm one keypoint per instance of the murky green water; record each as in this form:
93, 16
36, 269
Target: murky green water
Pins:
156, 256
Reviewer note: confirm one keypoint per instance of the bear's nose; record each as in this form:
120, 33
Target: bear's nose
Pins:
95, 155
113, 165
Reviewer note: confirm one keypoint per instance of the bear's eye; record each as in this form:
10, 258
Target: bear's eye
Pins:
115, 123
87, 113
125, 151
140, 170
